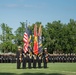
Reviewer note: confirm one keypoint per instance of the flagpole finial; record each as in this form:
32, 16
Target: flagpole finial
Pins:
26, 21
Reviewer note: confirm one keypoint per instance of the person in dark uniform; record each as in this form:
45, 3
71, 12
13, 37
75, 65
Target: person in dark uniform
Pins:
39, 59
14, 60
0, 58
6, 58
34, 60
29, 61
29, 58
45, 58
19, 57
24, 60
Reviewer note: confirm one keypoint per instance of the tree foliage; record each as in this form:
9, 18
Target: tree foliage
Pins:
56, 36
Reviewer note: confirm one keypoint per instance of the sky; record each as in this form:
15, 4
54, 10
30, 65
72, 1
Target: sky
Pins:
12, 12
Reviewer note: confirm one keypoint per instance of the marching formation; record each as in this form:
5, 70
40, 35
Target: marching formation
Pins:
52, 58
33, 60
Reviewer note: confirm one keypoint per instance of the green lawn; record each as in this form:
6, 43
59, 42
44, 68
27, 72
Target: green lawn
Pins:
53, 69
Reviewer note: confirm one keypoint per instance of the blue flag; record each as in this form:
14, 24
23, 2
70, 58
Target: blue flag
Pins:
40, 40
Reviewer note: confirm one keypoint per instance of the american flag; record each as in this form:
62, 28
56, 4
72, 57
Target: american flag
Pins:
25, 39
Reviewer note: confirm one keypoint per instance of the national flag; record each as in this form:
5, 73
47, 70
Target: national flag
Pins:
40, 40
30, 39
35, 40
25, 39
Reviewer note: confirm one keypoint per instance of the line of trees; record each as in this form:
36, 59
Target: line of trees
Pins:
56, 36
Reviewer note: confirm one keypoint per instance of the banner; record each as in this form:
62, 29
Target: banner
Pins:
35, 49
40, 40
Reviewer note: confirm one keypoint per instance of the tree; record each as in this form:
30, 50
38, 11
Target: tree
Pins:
6, 38
19, 34
54, 35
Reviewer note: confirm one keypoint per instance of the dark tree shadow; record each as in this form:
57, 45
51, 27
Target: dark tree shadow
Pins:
31, 74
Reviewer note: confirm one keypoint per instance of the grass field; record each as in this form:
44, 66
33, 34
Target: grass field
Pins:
53, 69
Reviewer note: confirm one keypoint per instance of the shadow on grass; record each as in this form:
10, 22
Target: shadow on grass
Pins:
31, 74
41, 74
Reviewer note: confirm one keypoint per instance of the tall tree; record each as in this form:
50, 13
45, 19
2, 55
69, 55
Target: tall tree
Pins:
6, 38
19, 34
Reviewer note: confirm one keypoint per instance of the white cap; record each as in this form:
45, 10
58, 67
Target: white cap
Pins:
45, 48
20, 47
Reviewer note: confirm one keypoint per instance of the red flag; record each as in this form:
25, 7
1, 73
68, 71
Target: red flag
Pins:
35, 40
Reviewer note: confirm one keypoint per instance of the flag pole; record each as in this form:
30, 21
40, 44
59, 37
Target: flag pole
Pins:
26, 22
